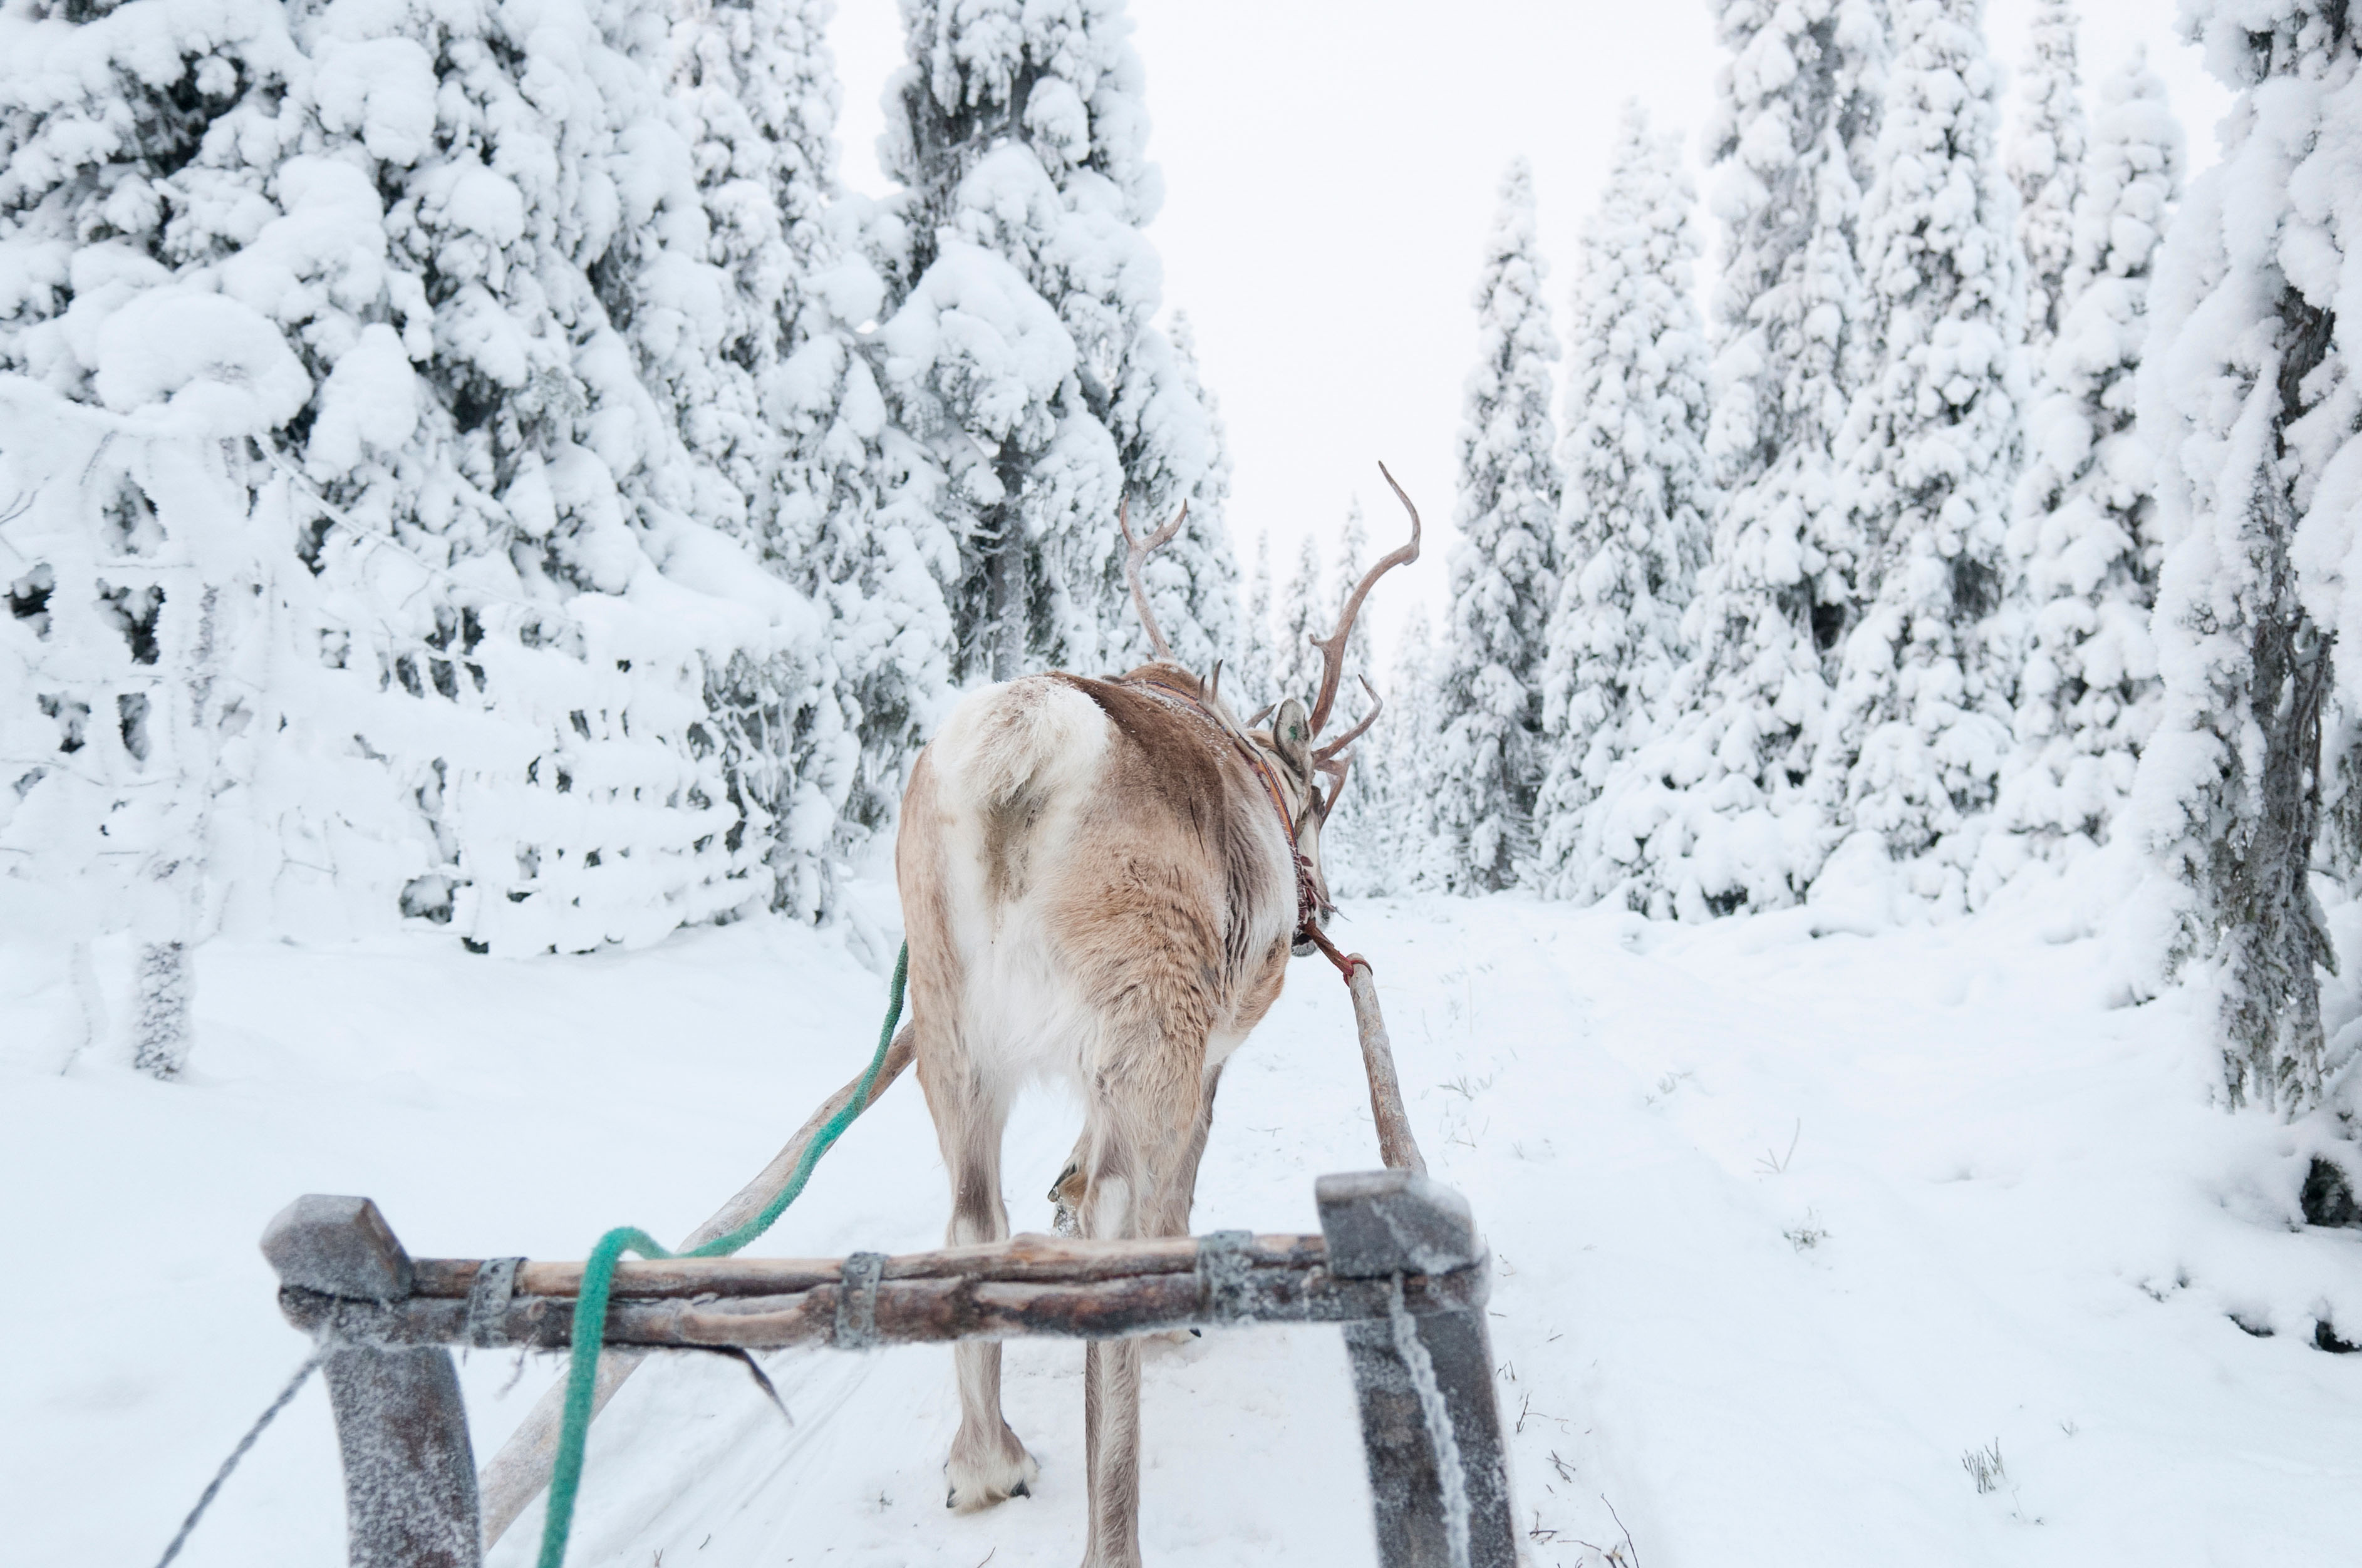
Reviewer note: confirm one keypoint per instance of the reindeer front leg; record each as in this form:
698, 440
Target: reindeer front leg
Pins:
988, 1463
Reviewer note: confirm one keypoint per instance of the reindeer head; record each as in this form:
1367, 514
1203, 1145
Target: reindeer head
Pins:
1291, 743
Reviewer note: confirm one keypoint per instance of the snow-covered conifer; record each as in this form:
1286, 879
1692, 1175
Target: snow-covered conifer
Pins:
1022, 345
1178, 448
849, 511
321, 370
1397, 847
1353, 560
1257, 647
1918, 721
1347, 824
2249, 393
1715, 811
1296, 664
1633, 527
860, 526
1501, 583
2084, 538
2046, 157
138, 143
755, 89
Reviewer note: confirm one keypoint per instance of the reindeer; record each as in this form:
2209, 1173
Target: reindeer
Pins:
1102, 881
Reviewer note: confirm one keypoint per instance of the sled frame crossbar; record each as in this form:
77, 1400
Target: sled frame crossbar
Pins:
1397, 1266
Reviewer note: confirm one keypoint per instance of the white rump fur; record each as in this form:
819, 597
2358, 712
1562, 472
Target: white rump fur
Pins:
1028, 737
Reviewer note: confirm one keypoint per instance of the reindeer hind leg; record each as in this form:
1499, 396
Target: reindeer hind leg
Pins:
1145, 1141
988, 1463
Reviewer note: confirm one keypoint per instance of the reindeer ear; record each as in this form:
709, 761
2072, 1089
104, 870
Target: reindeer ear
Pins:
1291, 737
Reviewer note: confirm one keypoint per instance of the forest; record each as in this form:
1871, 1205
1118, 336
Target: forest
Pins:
486, 504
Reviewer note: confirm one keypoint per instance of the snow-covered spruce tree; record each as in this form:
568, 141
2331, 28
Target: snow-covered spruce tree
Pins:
354, 309
846, 506
2249, 393
565, 248
1633, 526
860, 526
1193, 582
1253, 683
127, 664
1020, 345
2045, 154
1296, 664
2083, 543
1716, 809
1398, 849
1501, 583
1918, 722
753, 84
1353, 560
1348, 826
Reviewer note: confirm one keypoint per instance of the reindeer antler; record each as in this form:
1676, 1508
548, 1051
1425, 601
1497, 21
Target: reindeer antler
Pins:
1377, 705
1332, 651
1137, 552
1335, 773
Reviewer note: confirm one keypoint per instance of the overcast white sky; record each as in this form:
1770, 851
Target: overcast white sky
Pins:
1330, 171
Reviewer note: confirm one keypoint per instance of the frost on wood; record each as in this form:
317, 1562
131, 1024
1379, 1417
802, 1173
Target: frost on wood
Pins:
1918, 726
2248, 389
1632, 530
2082, 545
1719, 821
1502, 580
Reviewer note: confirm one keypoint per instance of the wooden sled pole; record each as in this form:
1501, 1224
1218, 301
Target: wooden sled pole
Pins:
1397, 1147
520, 1471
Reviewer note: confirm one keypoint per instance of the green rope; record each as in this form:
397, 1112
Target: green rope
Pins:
599, 1278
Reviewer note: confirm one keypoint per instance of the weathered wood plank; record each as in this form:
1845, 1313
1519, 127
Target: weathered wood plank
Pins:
1027, 1257
910, 1311
410, 1474
1397, 1148
1431, 1426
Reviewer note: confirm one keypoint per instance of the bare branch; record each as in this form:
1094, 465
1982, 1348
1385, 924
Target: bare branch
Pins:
1135, 553
1332, 651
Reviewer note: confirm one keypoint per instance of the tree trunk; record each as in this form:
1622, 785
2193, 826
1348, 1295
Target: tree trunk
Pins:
162, 985
2275, 940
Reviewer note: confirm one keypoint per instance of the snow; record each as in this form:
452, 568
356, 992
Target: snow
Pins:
471, 472
1788, 1213
218, 366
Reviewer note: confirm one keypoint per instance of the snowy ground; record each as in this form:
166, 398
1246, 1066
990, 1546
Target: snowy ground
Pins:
1789, 1214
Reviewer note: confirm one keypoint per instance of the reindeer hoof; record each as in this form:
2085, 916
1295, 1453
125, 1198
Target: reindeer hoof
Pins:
1067, 1192
977, 1484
